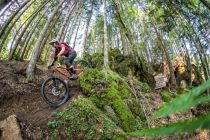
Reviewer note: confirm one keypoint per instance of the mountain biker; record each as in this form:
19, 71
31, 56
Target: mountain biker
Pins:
62, 49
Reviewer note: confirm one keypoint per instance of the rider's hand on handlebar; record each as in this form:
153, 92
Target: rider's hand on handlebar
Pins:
49, 67
56, 57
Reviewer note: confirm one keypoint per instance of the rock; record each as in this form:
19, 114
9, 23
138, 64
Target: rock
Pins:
183, 84
203, 134
10, 129
160, 80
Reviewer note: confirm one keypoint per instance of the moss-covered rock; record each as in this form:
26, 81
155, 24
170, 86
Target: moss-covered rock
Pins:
108, 88
82, 120
122, 64
145, 87
96, 60
166, 96
109, 112
135, 107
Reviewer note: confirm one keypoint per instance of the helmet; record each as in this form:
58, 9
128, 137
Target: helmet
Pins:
54, 41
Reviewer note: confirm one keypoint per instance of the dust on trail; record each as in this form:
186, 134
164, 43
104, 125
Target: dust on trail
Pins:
24, 99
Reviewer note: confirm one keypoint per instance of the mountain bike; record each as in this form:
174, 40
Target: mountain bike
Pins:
55, 90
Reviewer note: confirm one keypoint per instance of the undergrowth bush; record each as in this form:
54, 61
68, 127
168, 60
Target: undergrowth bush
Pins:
82, 120
181, 103
122, 64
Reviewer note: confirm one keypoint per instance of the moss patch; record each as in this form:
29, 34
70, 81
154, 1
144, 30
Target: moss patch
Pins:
166, 96
121, 64
108, 88
82, 120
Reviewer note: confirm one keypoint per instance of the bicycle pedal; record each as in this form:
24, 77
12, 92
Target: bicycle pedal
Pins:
73, 78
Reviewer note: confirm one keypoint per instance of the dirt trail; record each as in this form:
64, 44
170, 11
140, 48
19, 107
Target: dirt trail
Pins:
24, 100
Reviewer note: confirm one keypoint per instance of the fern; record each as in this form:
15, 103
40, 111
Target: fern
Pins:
184, 102
181, 104
175, 128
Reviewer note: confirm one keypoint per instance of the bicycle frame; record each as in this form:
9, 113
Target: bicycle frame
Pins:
62, 69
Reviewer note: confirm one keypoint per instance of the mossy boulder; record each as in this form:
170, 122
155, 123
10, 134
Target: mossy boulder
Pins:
108, 88
82, 120
122, 64
109, 112
96, 60
137, 112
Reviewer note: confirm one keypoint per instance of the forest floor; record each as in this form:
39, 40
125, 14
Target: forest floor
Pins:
24, 100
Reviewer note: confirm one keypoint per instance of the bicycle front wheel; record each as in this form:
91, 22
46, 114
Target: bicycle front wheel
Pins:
55, 91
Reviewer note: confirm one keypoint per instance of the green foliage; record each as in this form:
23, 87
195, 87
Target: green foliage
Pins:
54, 135
109, 112
166, 96
97, 60
134, 106
17, 57
55, 124
176, 128
122, 64
180, 104
145, 87
82, 120
184, 102
110, 89
4, 54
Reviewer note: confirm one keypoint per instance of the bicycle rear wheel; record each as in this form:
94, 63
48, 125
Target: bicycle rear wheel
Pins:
55, 91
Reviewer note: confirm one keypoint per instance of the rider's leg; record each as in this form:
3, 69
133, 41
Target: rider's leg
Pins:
69, 64
69, 60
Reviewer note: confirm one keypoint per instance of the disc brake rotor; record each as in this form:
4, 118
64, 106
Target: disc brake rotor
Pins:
55, 91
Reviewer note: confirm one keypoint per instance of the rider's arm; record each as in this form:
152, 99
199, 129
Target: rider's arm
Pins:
53, 61
62, 50
54, 56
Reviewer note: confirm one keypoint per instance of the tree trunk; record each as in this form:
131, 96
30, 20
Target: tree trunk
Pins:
31, 34
83, 44
75, 37
31, 67
65, 21
6, 8
189, 65
48, 34
17, 40
106, 42
63, 35
147, 52
71, 25
198, 46
29, 48
20, 50
3, 3
125, 30
124, 45
46, 54
205, 3
44, 41
172, 76
50, 59
6, 31
5, 26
